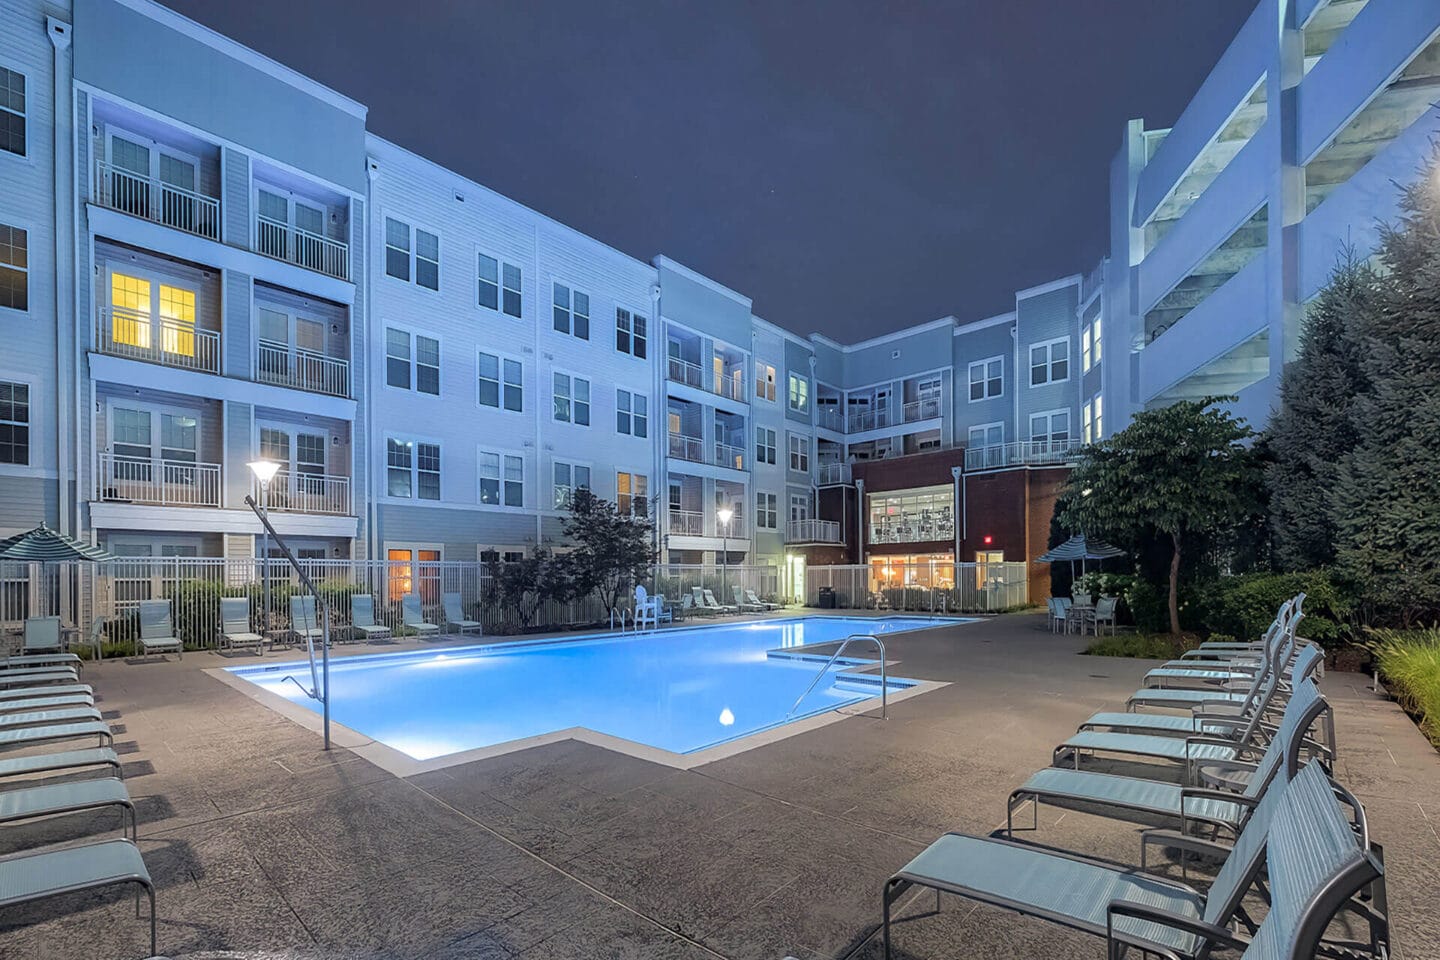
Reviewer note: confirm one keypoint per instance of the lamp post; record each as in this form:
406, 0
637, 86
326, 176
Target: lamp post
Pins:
723, 515
264, 471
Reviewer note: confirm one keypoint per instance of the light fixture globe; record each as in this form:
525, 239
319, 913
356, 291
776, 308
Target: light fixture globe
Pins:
264, 470
724, 514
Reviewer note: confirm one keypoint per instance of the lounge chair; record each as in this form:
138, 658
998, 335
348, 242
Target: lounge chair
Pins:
235, 625
58, 762
362, 618
45, 718
28, 704
72, 796
742, 604
35, 661
44, 690
762, 604
38, 876
30, 736
712, 604
157, 629
37, 676
455, 615
414, 618
42, 635
304, 623
696, 601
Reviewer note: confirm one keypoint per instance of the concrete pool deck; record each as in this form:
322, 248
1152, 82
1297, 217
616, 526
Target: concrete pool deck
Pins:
263, 845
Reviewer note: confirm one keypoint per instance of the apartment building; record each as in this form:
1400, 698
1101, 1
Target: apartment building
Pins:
1226, 224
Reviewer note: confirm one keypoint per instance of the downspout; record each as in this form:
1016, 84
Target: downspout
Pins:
957, 473
67, 346
860, 519
535, 351
372, 171
1015, 336
659, 427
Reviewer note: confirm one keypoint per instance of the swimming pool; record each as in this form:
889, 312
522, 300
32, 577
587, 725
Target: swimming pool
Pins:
680, 690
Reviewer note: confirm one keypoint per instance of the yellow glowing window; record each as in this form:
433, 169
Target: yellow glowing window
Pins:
401, 573
130, 311
177, 320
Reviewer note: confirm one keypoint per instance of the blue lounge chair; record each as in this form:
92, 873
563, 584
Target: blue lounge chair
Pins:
37, 676
30, 736
30, 704
455, 615
235, 628
72, 796
413, 616
362, 618
44, 718
38, 876
57, 762
45, 690
157, 629
304, 623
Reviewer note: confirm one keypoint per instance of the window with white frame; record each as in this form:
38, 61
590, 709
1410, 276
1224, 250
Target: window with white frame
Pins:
1089, 345
764, 445
572, 312
631, 493
632, 333
14, 423
1049, 362
1052, 427
501, 383
499, 285
572, 399
412, 363
765, 381
767, 516
987, 379
502, 479
799, 393
799, 507
412, 253
1092, 420
14, 268
412, 469
427, 471
799, 453
12, 112
566, 478
632, 413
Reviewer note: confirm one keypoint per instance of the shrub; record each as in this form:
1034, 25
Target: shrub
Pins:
1243, 606
1145, 646
1409, 663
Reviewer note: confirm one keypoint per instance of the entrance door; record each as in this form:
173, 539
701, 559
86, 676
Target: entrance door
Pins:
794, 585
155, 182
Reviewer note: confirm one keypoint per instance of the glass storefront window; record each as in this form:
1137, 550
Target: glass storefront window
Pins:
913, 516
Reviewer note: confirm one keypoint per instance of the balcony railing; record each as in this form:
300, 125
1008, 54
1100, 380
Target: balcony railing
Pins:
288, 366
153, 199
683, 371
1021, 453
735, 528
143, 336
812, 531
927, 409
301, 247
861, 419
731, 386
151, 480
832, 474
729, 456
305, 493
687, 448
830, 417
687, 523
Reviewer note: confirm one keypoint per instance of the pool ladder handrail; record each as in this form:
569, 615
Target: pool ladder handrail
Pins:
884, 686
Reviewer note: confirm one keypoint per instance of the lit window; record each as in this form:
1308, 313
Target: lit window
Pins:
14, 423
177, 320
1049, 362
987, 379
130, 320
495, 391
14, 268
12, 112
631, 491
572, 312
631, 334
799, 393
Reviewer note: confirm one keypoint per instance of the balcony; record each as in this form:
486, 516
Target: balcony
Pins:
287, 366
687, 523
830, 417
1022, 453
862, 419
926, 409
687, 448
302, 248
150, 198
729, 456
832, 474
683, 371
143, 336
812, 531
305, 493
731, 386
151, 480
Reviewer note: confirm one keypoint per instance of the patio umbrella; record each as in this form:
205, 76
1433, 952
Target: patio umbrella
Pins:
1082, 548
43, 545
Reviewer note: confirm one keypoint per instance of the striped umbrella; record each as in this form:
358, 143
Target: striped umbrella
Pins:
43, 545
1082, 548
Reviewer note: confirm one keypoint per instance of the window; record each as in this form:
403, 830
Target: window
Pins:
567, 478
920, 515
766, 514
398, 263
502, 479
799, 507
631, 333
427, 259
1051, 427
500, 286
1091, 420
398, 354
987, 379
799, 453
12, 112
572, 400
764, 445
1089, 345
799, 394
399, 458
427, 470
1049, 362
765, 381
500, 383
14, 268
572, 312
632, 413
404, 456
14, 423
631, 490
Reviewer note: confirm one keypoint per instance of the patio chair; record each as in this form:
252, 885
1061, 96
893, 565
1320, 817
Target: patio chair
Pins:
60, 762
42, 635
455, 616
157, 629
762, 604
235, 625
697, 601
362, 618
712, 604
71, 796
1103, 613
414, 618
742, 604
51, 873
38, 676
1057, 608
51, 717
31, 736
647, 610
31, 704
304, 622
10, 694
667, 610
34, 661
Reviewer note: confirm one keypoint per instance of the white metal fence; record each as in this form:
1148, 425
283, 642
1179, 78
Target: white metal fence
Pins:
919, 587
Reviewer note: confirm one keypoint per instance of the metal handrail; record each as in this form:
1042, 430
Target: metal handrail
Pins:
884, 686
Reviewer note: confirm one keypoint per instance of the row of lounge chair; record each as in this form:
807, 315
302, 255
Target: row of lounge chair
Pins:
44, 705
651, 610
1255, 794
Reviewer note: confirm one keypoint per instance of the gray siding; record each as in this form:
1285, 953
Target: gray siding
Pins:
236, 199
238, 451
797, 361
898, 358
28, 502
982, 344
704, 309
1048, 316
458, 531
238, 347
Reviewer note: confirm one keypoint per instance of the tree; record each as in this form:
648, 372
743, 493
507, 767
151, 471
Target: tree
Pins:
522, 585
1176, 470
612, 549
1315, 431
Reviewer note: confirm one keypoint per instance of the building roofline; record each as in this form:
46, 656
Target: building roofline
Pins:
995, 321
946, 321
662, 261
1073, 279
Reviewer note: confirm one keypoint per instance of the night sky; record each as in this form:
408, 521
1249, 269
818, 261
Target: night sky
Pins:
854, 167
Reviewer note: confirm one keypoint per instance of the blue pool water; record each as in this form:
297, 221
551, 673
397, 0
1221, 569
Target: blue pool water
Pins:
680, 690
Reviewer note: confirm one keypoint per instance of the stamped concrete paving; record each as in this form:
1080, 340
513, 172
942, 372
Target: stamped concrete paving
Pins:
264, 846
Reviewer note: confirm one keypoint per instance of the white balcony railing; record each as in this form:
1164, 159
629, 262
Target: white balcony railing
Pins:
687, 448
151, 480
1021, 453
687, 523
683, 371
862, 419
731, 386
927, 409
729, 456
301, 247
830, 416
305, 493
153, 199
832, 474
288, 366
812, 531
144, 336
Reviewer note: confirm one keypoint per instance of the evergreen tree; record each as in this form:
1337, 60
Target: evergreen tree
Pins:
1314, 430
